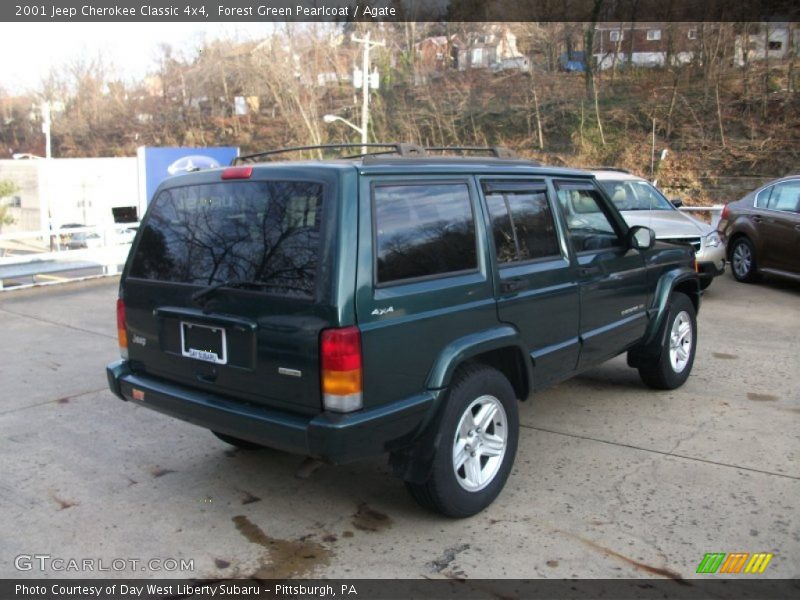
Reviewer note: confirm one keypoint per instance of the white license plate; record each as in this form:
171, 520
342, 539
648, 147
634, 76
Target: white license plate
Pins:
204, 342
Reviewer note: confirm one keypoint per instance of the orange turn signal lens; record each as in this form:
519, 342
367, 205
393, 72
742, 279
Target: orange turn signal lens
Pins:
341, 383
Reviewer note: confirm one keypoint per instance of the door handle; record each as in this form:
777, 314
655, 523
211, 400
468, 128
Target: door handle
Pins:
797, 227
514, 284
585, 271
757, 219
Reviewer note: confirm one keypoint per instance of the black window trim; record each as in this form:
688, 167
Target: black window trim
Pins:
374, 184
537, 185
314, 298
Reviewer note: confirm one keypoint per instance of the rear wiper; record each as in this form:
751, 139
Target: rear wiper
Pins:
230, 283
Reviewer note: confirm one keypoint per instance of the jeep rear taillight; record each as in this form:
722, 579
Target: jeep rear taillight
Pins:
122, 333
724, 214
341, 373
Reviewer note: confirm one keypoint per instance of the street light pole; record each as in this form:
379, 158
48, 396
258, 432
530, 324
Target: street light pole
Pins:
368, 45
334, 118
48, 153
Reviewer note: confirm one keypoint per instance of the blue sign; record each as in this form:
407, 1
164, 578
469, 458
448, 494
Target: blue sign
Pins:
157, 164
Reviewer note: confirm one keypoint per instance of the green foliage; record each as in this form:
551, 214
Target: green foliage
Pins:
7, 188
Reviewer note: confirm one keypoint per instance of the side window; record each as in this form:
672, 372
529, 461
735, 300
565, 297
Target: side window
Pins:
522, 222
785, 196
423, 230
589, 226
763, 197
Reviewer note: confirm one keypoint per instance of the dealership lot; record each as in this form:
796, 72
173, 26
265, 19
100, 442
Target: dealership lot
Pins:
611, 479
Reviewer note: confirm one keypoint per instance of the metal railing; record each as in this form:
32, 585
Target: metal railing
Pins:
41, 254
714, 212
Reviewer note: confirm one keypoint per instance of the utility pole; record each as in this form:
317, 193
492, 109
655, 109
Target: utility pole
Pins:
366, 83
46, 129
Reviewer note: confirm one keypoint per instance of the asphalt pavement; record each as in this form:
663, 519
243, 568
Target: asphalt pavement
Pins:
611, 480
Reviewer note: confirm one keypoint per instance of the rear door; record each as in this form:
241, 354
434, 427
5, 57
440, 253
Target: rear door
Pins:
266, 243
612, 277
423, 279
780, 227
537, 290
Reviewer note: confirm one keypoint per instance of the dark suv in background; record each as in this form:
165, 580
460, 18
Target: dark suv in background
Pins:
394, 302
763, 231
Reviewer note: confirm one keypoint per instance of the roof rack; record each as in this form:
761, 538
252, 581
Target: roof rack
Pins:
496, 151
617, 169
387, 148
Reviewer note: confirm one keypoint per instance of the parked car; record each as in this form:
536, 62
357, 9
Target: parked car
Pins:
127, 235
641, 203
80, 239
391, 303
763, 231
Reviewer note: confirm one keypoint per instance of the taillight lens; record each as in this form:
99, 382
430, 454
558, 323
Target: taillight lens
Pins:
122, 332
724, 214
341, 372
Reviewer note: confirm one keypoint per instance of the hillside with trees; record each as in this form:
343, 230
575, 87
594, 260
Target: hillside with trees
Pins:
725, 119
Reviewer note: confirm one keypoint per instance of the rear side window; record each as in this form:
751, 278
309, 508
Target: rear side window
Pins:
763, 197
522, 222
785, 197
254, 231
423, 231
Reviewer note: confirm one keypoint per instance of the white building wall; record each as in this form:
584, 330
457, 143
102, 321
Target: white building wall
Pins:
71, 190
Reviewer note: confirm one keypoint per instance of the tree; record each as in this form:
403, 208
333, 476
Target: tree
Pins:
7, 188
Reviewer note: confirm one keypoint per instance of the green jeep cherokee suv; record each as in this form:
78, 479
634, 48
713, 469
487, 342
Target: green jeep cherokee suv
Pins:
394, 302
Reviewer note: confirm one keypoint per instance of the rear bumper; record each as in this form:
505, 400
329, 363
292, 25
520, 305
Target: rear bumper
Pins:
333, 437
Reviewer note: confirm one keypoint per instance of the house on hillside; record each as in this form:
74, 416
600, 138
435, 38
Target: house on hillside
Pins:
767, 40
495, 49
644, 44
438, 53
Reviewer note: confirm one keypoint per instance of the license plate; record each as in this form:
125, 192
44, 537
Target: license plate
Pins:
204, 342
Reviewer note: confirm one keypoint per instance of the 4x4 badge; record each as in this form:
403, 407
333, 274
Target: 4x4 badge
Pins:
379, 312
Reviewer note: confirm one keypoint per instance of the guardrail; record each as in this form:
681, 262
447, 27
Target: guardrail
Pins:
39, 254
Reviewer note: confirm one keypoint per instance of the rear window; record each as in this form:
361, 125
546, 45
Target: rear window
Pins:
255, 231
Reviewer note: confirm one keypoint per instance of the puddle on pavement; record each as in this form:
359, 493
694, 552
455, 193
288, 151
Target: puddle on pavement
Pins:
248, 498
761, 397
369, 519
63, 504
159, 472
285, 558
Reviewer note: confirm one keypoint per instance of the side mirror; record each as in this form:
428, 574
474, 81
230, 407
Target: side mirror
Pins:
641, 238
677, 202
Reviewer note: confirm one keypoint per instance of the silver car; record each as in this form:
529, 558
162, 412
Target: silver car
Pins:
642, 204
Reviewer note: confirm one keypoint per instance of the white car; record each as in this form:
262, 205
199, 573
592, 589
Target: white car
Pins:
641, 203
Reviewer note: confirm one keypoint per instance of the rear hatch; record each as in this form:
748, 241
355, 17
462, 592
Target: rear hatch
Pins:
228, 284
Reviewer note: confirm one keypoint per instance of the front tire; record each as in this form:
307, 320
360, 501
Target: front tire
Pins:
671, 367
743, 260
477, 443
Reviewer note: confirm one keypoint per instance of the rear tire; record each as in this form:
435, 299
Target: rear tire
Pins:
705, 282
673, 364
743, 260
477, 442
238, 442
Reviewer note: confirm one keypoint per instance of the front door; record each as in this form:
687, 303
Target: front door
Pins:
612, 276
